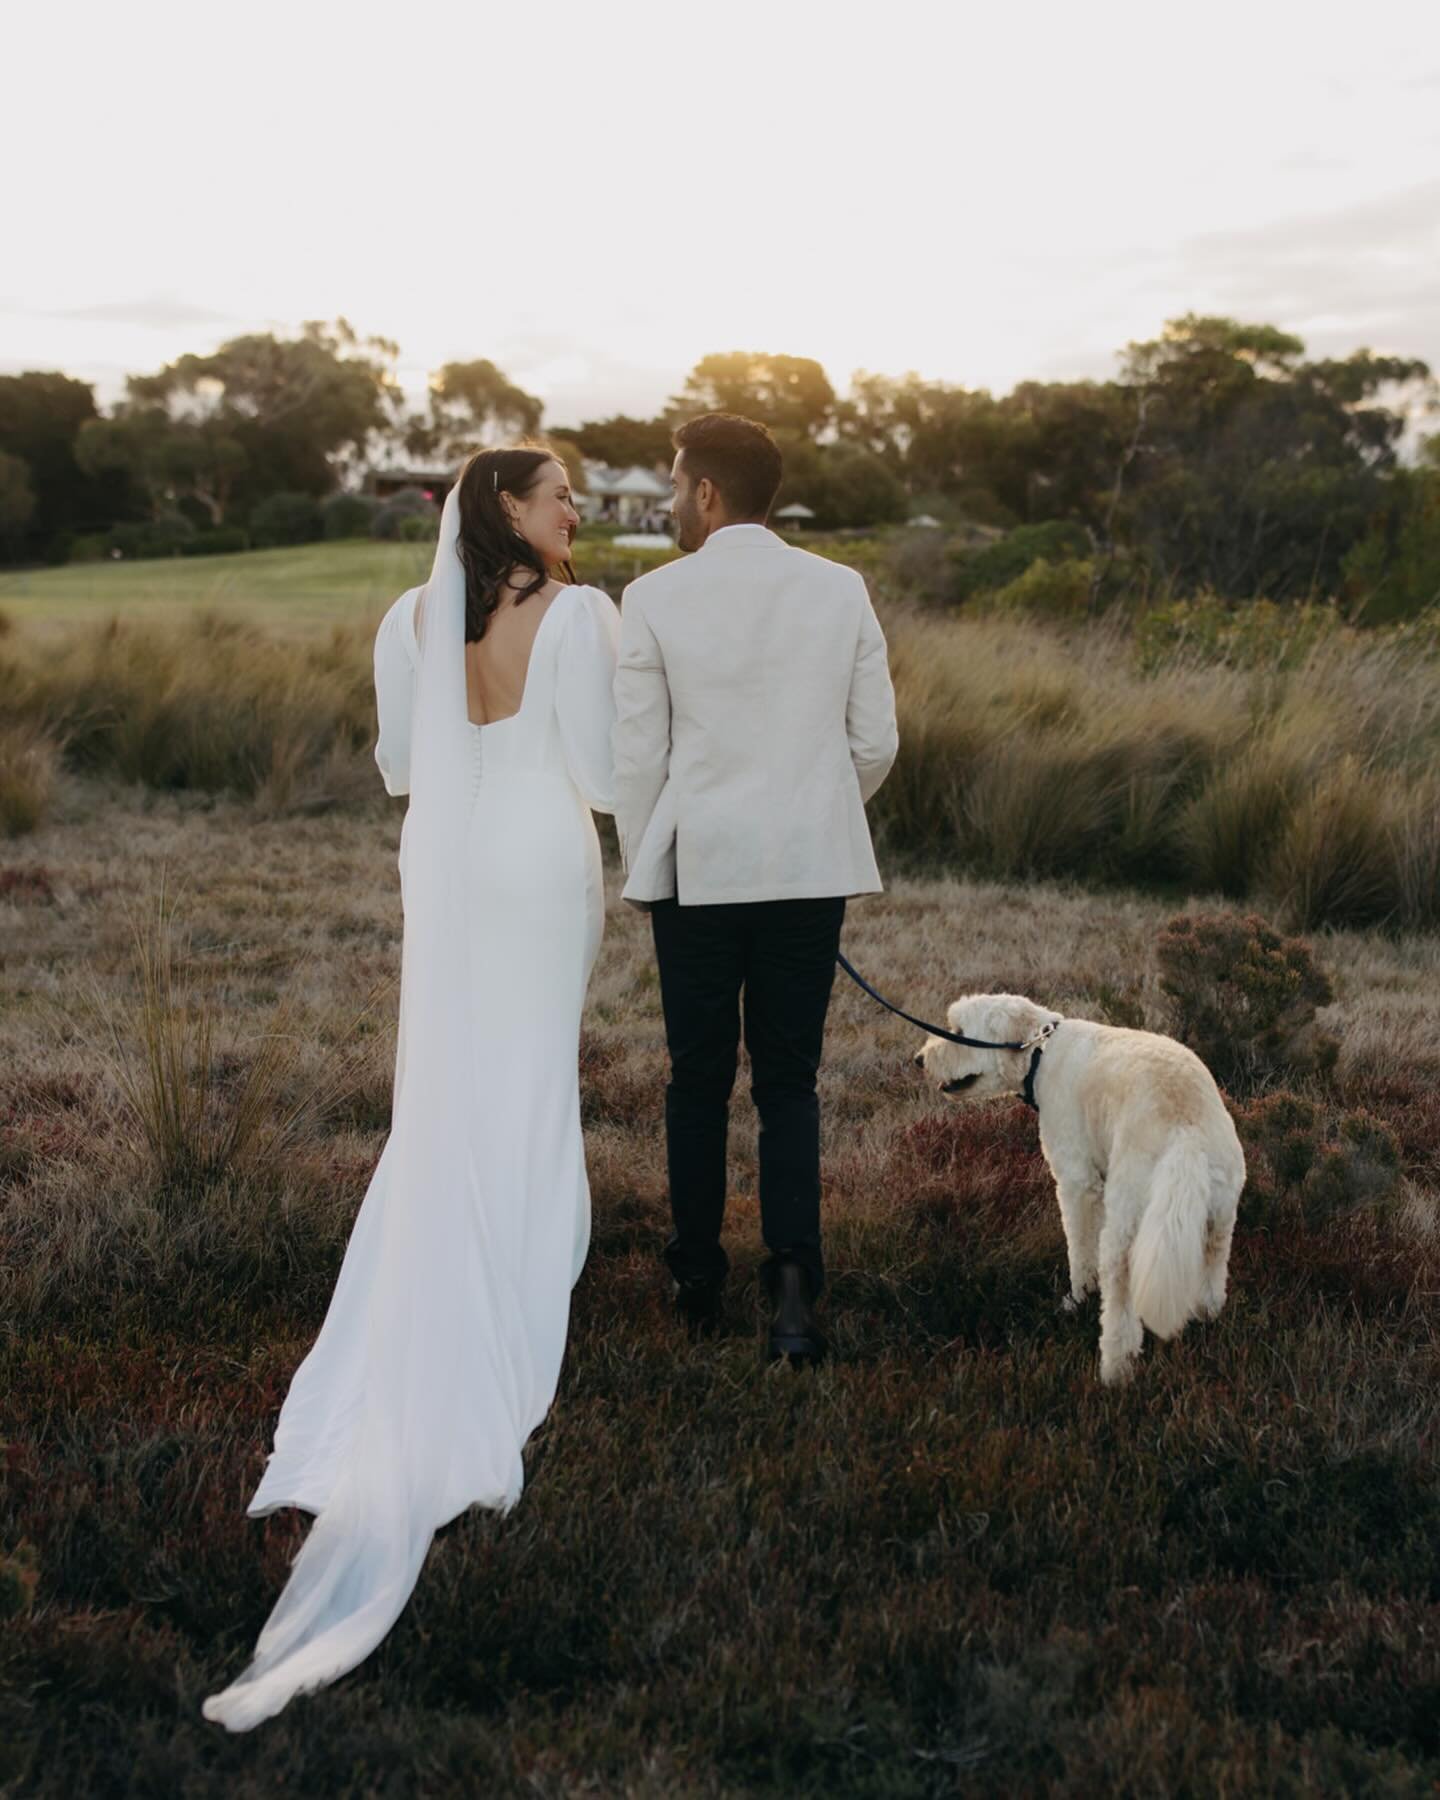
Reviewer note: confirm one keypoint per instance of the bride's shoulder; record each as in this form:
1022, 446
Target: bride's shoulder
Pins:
397, 627
590, 600
402, 608
592, 614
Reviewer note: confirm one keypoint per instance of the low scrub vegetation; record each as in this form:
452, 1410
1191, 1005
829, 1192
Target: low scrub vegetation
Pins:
949, 1563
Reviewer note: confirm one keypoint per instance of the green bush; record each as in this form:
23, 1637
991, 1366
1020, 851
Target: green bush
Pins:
129, 541
1252, 634
163, 536
1393, 573
224, 541
89, 546
1055, 590
285, 519
348, 515
407, 504
417, 528
997, 565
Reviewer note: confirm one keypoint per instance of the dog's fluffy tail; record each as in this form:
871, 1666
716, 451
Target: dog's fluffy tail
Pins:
1167, 1259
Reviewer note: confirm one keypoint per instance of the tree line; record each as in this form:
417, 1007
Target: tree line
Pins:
1220, 458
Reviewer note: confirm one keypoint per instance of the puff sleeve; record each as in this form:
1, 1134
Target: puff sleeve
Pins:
585, 695
397, 657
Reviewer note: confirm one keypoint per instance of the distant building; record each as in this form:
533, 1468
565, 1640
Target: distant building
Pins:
632, 496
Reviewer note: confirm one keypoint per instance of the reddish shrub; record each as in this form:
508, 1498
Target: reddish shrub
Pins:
1411, 1109
1310, 1156
1244, 998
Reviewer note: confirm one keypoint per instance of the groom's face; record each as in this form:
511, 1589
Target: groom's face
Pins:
687, 505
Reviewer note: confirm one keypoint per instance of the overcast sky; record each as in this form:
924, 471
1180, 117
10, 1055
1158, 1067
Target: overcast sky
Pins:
595, 196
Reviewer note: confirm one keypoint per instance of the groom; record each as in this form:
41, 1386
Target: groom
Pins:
755, 717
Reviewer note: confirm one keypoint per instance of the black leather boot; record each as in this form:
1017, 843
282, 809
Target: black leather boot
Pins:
697, 1305
793, 1331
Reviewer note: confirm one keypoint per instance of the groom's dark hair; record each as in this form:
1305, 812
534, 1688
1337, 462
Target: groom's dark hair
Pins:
738, 455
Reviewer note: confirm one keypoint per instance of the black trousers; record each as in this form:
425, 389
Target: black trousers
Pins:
781, 955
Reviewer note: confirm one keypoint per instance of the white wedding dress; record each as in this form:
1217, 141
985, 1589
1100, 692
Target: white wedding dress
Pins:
442, 1345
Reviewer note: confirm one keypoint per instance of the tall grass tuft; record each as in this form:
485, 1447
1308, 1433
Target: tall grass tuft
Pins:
1415, 831
1301, 775
206, 1114
28, 763
216, 705
1336, 862
919, 805
1040, 805
1227, 833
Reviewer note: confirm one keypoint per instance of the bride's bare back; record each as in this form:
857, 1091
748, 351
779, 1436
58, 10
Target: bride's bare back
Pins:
496, 667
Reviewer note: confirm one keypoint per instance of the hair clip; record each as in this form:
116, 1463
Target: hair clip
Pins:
494, 481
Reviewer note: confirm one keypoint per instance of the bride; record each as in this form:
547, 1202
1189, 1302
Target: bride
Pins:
441, 1348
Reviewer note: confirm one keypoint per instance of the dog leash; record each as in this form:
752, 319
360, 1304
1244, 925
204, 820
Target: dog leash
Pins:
956, 1037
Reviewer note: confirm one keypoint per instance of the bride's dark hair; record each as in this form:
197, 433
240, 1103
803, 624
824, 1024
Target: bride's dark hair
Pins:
489, 546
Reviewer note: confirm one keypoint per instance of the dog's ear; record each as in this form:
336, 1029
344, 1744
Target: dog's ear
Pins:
959, 1010
1030, 1020
1010, 1019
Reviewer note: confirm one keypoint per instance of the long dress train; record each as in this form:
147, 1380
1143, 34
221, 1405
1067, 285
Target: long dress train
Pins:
442, 1345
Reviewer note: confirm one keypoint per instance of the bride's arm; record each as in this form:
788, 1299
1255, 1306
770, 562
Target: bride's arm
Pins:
397, 657
585, 696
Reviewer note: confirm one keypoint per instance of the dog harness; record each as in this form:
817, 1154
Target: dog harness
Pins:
1034, 1045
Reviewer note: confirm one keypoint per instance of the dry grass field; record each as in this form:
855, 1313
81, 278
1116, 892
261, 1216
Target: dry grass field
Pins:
945, 1563
948, 1562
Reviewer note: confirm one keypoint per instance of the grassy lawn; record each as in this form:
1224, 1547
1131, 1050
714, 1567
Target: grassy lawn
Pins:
301, 590
947, 1563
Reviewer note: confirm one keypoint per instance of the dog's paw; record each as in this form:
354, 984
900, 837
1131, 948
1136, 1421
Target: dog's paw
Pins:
1117, 1372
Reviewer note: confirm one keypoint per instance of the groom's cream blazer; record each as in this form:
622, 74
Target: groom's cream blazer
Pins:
755, 717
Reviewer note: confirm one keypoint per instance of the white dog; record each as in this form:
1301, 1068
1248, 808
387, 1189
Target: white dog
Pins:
1148, 1168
